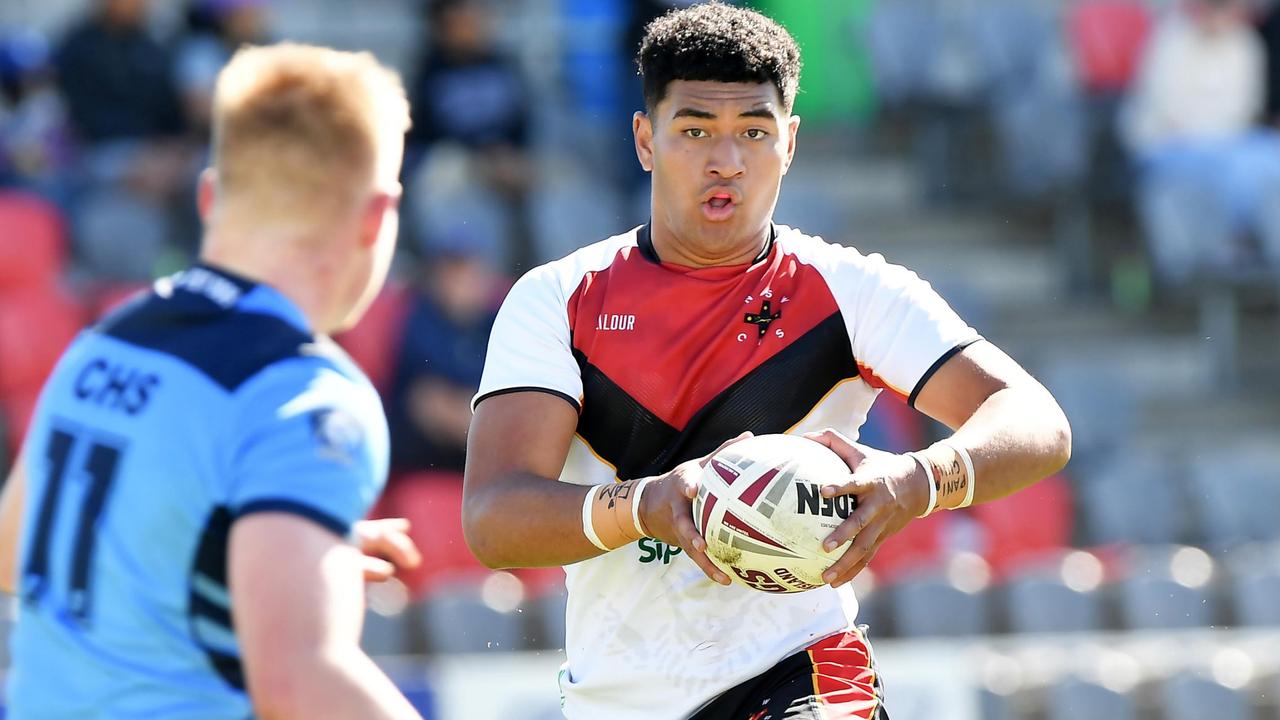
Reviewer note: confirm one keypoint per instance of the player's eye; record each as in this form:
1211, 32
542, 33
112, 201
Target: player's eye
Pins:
696, 133
755, 134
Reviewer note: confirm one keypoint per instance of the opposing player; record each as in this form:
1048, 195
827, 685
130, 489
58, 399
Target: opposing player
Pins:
616, 368
198, 460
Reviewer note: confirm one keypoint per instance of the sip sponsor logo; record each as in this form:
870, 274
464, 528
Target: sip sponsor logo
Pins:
338, 433
657, 551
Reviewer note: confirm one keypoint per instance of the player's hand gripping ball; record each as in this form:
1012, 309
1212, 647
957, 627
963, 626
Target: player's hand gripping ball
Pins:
760, 509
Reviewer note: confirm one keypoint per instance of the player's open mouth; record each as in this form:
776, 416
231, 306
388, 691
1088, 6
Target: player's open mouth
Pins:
719, 207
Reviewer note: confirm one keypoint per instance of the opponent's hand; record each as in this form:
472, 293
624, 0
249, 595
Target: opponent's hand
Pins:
891, 491
666, 511
386, 546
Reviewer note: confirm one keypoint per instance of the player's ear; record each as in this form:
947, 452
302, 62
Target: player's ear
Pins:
642, 128
374, 216
793, 129
206, 193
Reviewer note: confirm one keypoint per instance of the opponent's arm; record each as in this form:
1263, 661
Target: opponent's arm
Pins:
11, 499
298, 596
515, 513
1011, 427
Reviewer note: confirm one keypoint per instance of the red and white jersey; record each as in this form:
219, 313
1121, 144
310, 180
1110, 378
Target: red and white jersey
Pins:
664, 363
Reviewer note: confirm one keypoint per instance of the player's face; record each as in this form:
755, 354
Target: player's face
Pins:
380, 227
717, 152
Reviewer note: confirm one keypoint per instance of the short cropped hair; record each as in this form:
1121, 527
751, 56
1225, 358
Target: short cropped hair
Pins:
718, 42
299, 130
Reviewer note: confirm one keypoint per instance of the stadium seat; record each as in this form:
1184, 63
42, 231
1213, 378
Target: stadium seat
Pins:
36, 324
432, 502
931, 606
1255, 584
1048, 604
32, 243
1100, 402
1074, 698
1186, 696
458, 619
1235, 494
1168, 587
395, 634
550, 620
374, 343
1134, 497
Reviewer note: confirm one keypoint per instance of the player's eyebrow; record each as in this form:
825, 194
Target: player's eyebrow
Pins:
693, 113
759, 112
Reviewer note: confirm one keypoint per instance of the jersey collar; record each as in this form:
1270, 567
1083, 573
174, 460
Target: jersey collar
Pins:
230, 290
644, 239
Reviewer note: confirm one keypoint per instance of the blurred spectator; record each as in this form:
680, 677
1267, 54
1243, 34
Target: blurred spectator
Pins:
34, 150
215, 28
124, 110
441, 357
1209, 174
468, 94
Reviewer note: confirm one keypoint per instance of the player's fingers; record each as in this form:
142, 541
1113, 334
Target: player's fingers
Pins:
848, 450
843, 569
695, 547
707, 458
855, 484
398, 547
377, 569
867, 511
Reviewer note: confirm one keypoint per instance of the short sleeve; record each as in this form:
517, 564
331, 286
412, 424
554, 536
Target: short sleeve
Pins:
530, 347
902, 331
313, 443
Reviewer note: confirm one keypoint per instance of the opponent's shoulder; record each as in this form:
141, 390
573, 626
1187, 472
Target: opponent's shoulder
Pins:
226, 346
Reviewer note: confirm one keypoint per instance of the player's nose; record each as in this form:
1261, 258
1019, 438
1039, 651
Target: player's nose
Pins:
726, 159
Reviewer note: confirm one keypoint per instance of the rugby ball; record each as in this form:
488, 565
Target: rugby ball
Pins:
760, 508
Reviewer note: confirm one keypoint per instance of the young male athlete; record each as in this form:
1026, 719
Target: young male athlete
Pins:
616, 368
198, 460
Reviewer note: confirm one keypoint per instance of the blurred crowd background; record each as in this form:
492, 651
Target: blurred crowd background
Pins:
1093, 184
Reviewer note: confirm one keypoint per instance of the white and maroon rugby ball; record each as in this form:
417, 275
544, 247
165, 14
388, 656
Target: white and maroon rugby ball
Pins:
761, 511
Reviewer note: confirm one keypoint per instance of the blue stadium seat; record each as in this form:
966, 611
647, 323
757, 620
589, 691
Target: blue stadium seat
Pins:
1186, 696
931, 606
458, 619
1169, 587
1043, 604
1074, 698
1135, 497
1235, 492
1255, 584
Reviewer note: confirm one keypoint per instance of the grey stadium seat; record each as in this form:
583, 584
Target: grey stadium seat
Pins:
1152, 598
1135, 497
1075, 698
1042, 604
1189, 697
1236, 492
456, 619
928, 606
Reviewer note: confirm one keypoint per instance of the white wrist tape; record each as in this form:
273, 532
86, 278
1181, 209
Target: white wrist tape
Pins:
933, 485
635, 505
588, 528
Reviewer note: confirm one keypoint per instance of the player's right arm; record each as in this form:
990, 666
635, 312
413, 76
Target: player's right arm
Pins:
298, 594
514, 512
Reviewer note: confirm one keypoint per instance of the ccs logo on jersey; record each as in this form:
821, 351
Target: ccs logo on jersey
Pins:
338, 433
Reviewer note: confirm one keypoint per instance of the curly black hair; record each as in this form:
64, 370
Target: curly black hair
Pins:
715, 41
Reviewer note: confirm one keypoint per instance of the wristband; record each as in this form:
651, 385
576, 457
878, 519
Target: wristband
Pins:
933, 485
611, 514
635, 506
587, 528
970, 475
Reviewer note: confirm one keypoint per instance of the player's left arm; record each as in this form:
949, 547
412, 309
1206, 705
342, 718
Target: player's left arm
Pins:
1011, 427
11, 499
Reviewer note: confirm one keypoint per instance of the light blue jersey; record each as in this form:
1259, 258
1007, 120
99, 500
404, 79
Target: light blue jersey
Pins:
199, 403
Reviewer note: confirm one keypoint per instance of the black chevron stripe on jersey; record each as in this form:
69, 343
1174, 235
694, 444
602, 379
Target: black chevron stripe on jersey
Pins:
771, 398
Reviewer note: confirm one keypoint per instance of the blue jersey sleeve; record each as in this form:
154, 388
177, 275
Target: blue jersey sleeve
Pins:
313, 442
